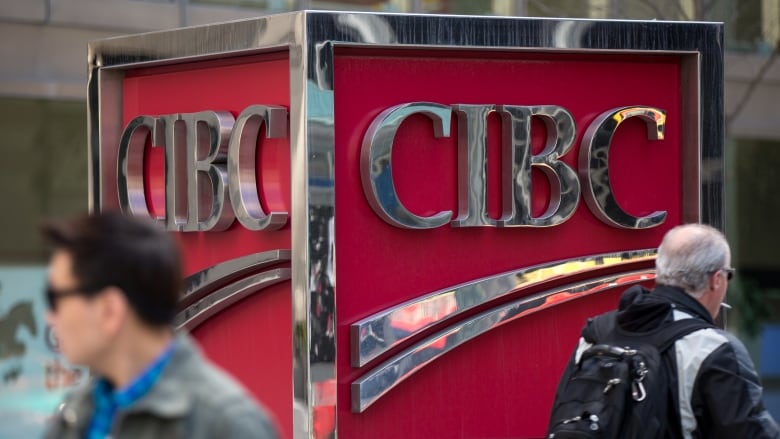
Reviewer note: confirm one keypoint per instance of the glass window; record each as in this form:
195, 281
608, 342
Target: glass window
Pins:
463, 7
267, 5
744, 31
757, 206
354, 5
261, 4
557, 8
43, 171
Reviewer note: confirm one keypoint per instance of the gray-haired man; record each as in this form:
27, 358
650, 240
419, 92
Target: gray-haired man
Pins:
713, 388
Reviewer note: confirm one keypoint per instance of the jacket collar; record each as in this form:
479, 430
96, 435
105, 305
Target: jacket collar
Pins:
642, 310
76, 410
166, 398
683, 301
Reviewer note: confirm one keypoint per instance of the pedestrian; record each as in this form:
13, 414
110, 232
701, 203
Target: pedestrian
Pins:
113, 285
711, 386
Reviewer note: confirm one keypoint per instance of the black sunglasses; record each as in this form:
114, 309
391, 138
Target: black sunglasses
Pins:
729, 272
53, 296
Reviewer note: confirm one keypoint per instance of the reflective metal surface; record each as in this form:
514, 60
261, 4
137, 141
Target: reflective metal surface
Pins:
209, 291
699, 45
242, 160
200, 311
175, 188
210, 157
380, 380
130, 163
594, 165
434, 308
518, 161
312, 140
376, 169
205, 281
207, 134
472, 165
110, 59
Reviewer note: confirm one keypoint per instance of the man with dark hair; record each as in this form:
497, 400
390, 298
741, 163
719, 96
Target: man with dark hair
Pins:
113, 285
713, 389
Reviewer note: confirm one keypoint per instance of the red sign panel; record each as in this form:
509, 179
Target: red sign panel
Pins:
247, 340
507, 376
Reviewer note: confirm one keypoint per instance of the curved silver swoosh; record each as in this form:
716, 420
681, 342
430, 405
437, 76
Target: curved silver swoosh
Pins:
200, 311
203, 282
372, 386
213, 289
417, 315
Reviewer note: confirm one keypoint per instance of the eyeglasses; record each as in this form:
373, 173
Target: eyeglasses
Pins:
53, 296
729, 272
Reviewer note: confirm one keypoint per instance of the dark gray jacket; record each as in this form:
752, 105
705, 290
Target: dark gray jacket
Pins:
714, 385
191, 400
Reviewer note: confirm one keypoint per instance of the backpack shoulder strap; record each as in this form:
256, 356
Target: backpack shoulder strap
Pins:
673, 331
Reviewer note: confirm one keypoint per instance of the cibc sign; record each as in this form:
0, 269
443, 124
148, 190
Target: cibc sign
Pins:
213, 156
395, 225
218, 186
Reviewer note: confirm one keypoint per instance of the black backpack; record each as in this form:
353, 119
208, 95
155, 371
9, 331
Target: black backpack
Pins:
619, 388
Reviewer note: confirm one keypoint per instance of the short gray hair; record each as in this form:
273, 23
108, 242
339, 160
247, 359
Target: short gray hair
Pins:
689, 254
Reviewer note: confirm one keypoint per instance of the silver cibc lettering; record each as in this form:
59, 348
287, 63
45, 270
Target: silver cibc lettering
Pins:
209, 157
517, 164
377, 168
594, 169
130, 160
242, 156
207, 138
472, 165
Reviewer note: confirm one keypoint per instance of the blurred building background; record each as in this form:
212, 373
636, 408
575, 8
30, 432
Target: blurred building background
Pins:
43, 119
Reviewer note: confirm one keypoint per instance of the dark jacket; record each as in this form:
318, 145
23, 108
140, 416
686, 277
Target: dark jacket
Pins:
191, 399
715, 392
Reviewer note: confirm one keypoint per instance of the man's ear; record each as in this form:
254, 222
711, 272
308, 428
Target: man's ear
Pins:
714, 280
114, 309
